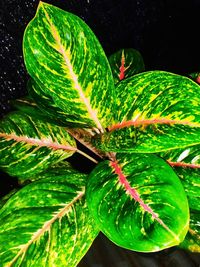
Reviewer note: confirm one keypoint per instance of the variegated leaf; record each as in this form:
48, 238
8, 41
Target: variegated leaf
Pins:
125, 63
157, 111
29, 145
47, 223
138, 202
64, 57
28, 106
192, 239
186, 163
46, 105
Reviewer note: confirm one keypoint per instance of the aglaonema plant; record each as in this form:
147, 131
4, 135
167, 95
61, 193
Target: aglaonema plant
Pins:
143, 131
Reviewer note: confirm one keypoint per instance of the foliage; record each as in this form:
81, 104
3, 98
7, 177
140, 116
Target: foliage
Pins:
143, 133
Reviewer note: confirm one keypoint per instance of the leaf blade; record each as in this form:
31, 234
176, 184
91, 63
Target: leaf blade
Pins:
70, 65
186, 163
51, 220
161, 111
139, 194
30, 145
125, 63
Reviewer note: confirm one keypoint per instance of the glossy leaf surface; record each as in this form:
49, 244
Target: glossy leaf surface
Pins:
46, 105
192, 239
125, 63
47, 223
138, 202
186, 163
157, 111
28, 145
63, 55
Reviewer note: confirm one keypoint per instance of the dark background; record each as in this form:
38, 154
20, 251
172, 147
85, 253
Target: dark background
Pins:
166, 32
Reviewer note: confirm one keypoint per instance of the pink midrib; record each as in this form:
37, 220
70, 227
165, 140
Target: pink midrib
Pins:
146, 122
37, 142
122, 68
91, 112
135, 195
183, 165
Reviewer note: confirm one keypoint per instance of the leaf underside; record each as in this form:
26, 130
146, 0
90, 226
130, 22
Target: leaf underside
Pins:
135, 202
47, 223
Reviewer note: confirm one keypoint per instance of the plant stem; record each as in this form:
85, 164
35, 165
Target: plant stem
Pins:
86, 155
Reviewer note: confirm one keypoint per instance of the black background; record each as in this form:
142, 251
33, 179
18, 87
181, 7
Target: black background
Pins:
166, 33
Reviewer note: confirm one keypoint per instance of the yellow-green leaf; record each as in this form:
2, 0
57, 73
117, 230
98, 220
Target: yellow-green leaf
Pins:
29, 145
47, 223
65, 58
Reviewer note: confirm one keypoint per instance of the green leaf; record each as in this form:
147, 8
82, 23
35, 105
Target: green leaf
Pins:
157, 111
192, 239
47, 223
186, 163
138, 202
65, 58
28, 145
125, 63
52, 112
5, 198
28, 106
61, 168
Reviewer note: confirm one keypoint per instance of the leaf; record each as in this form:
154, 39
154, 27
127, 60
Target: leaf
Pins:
28, 145
195, 76
46, 105
65, 58
5, 198
28, 106
192, 239
47, 223
138, 202
186, 163
125, 63
157, 111
61, 168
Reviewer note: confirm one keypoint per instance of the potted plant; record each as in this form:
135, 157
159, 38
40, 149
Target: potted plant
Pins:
142, 131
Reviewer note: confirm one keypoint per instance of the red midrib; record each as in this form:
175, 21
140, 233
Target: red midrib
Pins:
149, 122
37, 142
135, 195
122, 68
184, 165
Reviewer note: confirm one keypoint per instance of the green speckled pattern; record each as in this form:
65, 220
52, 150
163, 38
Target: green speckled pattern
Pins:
50, 110
190, 178
192, 239
164, 110
63, 55
28, 145
47, 223
127, 220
